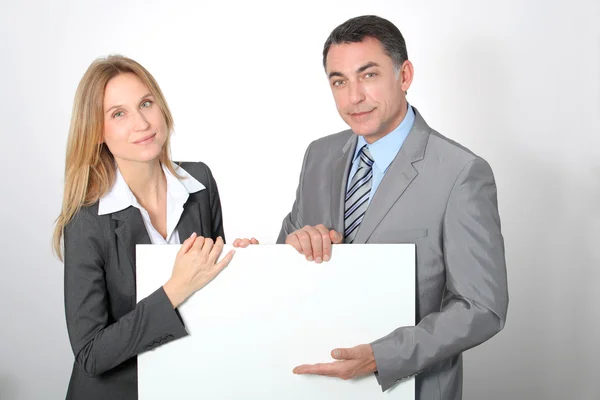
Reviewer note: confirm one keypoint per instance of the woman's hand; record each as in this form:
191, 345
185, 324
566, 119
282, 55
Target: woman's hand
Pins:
195, 266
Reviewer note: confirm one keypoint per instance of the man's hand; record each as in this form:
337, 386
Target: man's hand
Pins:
314, 242
352, 363
242, 243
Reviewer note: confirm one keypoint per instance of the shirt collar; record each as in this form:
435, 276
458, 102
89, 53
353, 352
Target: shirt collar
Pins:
385, 149
119, 197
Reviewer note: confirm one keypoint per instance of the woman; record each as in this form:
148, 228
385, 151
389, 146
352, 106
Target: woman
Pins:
122, 189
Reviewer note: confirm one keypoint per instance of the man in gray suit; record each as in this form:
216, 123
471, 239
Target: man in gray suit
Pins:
393, 179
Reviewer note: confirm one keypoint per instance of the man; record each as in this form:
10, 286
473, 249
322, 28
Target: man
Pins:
393, 179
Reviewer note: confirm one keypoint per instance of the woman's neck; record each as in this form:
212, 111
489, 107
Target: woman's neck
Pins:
146, 180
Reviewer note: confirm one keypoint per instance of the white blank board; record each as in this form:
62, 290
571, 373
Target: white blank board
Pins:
271, 310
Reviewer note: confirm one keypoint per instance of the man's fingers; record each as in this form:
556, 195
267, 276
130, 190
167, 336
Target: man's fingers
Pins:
325, 244
315, 369
254, 241
350, 362
294, 241
336, 237
305, 243
316, 242
336, 368
313, 241
242, 243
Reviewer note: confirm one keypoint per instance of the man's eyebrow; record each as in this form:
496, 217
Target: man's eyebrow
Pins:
367, 66
358, 71
339, 74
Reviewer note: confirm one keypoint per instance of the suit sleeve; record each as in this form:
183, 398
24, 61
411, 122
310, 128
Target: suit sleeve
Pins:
476, 296
98, 342
293, 221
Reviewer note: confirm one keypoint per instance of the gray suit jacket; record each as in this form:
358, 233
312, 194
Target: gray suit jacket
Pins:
107, 329
442, 197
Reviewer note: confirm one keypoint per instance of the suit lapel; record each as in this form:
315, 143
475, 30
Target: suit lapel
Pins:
132, 231
339, 181
190, 220
399, 176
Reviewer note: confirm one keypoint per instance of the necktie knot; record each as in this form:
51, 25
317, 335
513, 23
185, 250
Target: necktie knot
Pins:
366, 159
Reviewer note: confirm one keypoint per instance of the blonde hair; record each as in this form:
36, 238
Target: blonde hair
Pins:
89, 166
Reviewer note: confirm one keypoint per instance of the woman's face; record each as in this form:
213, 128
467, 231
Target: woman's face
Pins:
134, 127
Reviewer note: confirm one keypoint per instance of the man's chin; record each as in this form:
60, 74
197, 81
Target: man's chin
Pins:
369, 136
361, 131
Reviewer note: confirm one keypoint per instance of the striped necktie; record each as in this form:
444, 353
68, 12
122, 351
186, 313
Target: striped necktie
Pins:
357, 197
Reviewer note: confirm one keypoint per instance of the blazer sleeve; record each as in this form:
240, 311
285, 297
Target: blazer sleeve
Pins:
475, 301
293, 221
98, 342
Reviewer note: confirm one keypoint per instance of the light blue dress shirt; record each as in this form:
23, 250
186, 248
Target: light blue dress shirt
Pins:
383, 150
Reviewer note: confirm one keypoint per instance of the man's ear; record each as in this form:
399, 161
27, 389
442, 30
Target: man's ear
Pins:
407, 73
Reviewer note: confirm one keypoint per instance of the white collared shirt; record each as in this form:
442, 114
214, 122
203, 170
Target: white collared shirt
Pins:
120, 197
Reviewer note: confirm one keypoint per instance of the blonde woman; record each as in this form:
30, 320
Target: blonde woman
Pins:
122, 189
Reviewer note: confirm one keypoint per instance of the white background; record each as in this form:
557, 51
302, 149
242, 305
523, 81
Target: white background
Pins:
517, 81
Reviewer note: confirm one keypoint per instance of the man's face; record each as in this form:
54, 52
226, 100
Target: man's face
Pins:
368, 94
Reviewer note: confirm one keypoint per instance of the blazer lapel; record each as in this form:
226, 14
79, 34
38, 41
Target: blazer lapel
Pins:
190, 220
339, 180
132, 230
400, 174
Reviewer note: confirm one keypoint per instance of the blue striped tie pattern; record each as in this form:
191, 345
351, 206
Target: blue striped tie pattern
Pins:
358, 194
